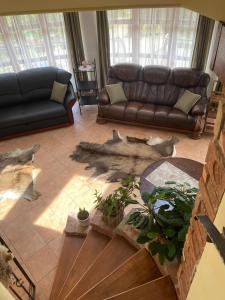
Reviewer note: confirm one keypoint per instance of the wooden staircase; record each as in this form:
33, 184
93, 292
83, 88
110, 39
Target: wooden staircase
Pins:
102, 267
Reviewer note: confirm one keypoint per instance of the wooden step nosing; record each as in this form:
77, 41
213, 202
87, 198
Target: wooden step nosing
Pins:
142, 285
79, 252
94, 262
97, 257
60, 260
110, 274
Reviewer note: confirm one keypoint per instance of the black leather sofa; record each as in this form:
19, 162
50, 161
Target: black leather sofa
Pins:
25, 105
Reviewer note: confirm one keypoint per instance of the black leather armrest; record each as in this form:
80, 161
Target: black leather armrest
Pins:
70, 96
69, 102
103, 97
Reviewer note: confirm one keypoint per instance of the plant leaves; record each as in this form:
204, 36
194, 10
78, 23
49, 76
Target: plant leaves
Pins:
142, 239
169, 232
151, 235
182, 234
145, 197
171, 250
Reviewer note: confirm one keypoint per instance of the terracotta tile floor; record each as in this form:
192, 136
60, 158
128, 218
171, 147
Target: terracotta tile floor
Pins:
34, 230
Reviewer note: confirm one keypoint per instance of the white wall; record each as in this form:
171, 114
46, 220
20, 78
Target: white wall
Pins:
88, 23
209, 279
208, 70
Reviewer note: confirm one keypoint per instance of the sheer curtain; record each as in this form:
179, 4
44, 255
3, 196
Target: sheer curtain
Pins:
30, 41
156, 36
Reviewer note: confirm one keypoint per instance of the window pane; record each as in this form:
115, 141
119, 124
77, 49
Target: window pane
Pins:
158, 36
33, 41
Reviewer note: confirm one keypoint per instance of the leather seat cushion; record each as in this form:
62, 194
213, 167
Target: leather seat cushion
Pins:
160, 115
31, 112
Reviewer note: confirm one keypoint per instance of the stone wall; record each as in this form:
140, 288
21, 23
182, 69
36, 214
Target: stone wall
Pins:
212, 188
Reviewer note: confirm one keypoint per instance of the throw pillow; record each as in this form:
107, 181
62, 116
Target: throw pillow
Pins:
116, 93
187, 101
58, 92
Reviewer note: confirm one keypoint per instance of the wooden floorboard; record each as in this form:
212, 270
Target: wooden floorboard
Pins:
91, 248
70, 249
137, 270
115, 253
160, 289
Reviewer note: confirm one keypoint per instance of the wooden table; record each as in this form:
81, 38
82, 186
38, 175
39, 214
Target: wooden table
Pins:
190, 167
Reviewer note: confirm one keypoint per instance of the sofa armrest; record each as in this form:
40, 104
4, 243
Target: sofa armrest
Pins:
69, 102
200, 107
103, 97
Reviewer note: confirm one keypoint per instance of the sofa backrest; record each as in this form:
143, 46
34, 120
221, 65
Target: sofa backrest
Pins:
36, 84
30, 85
157, 84
9, 89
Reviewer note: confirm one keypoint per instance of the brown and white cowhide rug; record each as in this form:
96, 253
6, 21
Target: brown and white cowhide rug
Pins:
120, 157
17, 174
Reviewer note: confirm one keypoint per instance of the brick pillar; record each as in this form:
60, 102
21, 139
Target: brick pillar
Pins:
211, 190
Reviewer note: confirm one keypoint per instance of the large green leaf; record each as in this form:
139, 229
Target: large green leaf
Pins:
182, 233
152, 235
169, 232
171, 250
142, 239
142, 222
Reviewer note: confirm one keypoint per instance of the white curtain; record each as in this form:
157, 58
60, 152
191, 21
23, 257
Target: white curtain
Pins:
153, 36
29, 41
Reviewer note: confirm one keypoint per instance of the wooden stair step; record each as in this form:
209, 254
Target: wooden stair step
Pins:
92, 246
140, 268
115, 253
70, 249
160, 289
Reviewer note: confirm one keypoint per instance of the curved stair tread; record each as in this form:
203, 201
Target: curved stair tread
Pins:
69, 252
140, 268
160, 289
114, 254
93, 245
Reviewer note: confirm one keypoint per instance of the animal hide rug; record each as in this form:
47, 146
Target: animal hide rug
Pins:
16, 174
120, 157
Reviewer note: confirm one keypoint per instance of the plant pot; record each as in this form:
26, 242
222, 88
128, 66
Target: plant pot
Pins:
85, 222
113, 221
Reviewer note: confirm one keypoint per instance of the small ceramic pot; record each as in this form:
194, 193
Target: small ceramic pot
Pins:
114, 221
84, 223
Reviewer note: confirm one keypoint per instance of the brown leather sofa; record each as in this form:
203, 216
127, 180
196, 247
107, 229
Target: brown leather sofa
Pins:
152, 92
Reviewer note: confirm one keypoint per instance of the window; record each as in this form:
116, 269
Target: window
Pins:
154, 36
30, 41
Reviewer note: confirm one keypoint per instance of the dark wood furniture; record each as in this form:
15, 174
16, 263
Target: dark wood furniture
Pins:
86, 84
191, 167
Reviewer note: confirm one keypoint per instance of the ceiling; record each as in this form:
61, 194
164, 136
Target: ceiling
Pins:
214, 9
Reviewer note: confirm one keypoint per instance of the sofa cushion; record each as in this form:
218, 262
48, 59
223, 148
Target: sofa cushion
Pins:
116, 92
9, 90
38, 125
187, 101
156, 74
36, 84
125, 72
58, 91
186, 78
26, 113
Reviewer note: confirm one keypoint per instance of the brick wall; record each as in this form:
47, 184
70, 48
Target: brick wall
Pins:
211, 190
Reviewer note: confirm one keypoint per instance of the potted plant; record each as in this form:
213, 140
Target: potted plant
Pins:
112, 206
83, 217
163, 224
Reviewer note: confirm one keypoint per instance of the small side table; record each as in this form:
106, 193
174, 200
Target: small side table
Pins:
186, 170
